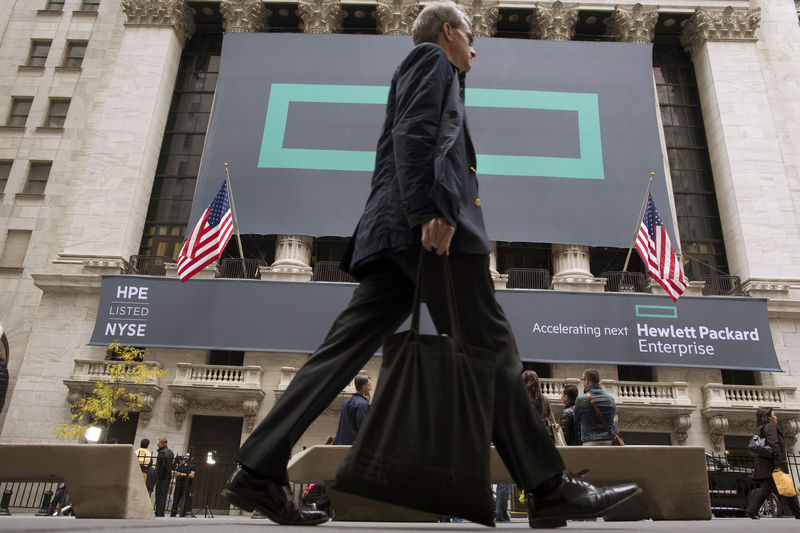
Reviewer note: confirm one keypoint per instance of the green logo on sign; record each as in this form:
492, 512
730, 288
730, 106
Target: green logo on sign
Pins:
657, 311
588, 166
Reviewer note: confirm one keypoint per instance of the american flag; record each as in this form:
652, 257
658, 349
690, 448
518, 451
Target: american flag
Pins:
655, 248
208, 238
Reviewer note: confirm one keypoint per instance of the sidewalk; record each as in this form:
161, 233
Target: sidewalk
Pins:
29, 523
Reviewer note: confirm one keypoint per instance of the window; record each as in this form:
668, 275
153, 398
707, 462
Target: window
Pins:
73, 57
38, 173
226, 357
54, 5
181, 149
5, 171
689, 162
57, 113
739, 377
635, 373
20, 107
15, 248
38, 55
90, 6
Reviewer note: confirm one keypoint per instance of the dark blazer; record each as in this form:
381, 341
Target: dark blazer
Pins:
571, 428
425, 165
165, 461
765, 465
354, 411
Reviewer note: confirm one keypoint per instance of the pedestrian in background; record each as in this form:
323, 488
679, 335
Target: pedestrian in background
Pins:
593, 429
164, 463
541, 404
354, 411
571, 428
767, 427
146, 463
183, 473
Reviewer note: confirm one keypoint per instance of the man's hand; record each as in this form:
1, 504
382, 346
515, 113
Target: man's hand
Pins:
436, 235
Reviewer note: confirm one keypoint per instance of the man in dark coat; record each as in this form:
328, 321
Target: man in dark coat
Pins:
165, 460
424, 192
354, 411
570, 426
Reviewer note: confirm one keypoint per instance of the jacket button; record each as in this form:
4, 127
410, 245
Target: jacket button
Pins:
474, 170
477, 202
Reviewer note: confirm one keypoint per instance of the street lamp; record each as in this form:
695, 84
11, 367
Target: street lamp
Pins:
93, 434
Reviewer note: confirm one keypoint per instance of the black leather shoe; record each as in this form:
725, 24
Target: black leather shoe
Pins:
574, 500
271, 498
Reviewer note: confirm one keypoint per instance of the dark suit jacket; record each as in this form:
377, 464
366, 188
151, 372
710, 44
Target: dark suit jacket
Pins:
354, 411
165, 460
424, 166
765, 465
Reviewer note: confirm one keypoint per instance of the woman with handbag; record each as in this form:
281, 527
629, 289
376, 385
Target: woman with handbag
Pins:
767, 427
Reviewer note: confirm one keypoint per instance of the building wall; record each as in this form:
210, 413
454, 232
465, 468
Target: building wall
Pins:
93, 210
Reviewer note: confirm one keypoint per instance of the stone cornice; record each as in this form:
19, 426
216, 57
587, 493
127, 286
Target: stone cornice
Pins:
175, 13
243, 16
727, 25
320, 16
484, 16
395, 17
554, 24
68, 283
634, 25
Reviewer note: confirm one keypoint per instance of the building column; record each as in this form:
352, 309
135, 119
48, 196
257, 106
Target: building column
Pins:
571, 269
320, 16
243, 16
121, 164
761, 237
556, 23
634, 25
293, 252
395, 17
483, 15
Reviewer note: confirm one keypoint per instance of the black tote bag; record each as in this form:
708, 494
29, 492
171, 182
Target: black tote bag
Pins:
425, 441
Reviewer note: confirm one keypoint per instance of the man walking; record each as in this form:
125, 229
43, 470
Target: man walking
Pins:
354, 411
424, 192
164, 462
593, 429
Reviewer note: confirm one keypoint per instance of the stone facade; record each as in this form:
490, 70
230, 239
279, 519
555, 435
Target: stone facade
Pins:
92, 213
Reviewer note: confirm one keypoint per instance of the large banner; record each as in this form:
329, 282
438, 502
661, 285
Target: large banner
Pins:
550, 326
566, 133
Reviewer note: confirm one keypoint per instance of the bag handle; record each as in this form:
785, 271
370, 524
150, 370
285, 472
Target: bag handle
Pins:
603, 420
449, 290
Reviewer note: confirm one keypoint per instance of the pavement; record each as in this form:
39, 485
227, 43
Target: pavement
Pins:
229, 524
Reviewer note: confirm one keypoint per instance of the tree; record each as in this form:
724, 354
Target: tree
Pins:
111, 399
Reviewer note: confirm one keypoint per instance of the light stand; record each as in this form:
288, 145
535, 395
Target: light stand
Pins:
211, 460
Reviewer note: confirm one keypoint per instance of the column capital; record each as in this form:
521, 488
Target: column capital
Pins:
554, 24
484, 16
175, 13
395, 17
727, 25
320, 16
634, 25
243, 16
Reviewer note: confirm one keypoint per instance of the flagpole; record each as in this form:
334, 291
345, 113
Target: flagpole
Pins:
638, 222
235, 220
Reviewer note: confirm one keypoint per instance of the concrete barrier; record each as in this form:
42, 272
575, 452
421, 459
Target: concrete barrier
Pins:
673, 479
103, 480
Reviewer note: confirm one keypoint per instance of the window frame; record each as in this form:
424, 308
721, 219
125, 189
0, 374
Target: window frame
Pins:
54, 5
31, 53
15, 262
49, 117
92, 5
4, 178
71, 44
16, 100
31, 179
